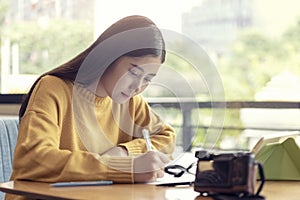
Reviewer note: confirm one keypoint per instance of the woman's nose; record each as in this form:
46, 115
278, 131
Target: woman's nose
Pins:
137, 86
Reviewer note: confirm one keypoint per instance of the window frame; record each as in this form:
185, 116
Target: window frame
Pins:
11, 98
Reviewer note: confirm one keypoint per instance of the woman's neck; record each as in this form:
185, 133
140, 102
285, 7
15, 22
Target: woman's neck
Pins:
97, 88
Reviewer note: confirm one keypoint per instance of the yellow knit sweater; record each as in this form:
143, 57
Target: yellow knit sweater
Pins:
65, 131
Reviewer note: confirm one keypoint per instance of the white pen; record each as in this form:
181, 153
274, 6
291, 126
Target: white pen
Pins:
146, 136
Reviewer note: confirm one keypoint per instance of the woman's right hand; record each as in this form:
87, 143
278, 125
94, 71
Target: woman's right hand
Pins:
149, 166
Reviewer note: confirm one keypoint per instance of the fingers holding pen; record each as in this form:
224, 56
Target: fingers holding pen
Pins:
149, 166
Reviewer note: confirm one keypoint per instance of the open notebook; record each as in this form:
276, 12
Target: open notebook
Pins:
184, 159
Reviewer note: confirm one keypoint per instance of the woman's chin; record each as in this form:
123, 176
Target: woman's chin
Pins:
121, 99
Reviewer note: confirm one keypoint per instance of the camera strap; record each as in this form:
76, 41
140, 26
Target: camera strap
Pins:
235, 197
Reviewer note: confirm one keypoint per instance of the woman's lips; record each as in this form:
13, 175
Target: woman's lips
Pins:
126, 95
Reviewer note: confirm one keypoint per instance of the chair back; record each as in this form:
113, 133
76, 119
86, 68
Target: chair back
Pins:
8, 139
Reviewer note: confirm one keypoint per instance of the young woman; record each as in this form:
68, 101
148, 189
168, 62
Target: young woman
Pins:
84, 119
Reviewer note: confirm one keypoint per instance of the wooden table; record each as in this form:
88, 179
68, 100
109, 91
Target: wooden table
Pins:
273, 190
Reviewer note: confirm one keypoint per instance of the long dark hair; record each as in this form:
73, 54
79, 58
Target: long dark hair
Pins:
70, 69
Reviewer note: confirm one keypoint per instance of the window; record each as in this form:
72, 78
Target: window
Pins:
248, 40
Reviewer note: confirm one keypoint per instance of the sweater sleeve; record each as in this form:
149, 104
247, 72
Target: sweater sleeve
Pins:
43, 154
162, 136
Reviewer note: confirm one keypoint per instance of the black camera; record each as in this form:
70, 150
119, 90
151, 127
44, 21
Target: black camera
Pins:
232, 173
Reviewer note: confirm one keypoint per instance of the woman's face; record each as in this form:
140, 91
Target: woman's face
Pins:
128, 76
